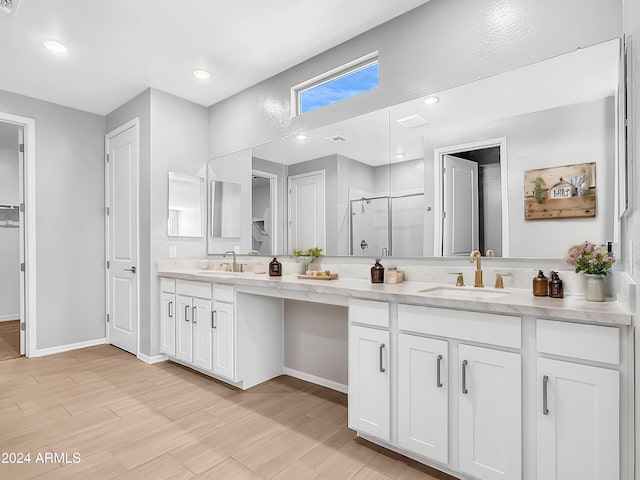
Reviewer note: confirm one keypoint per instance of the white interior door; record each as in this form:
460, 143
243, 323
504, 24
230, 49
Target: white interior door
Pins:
307, 211
23, 285
122, 241
460, 232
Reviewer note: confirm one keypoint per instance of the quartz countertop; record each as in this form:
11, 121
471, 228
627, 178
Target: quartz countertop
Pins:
514, 301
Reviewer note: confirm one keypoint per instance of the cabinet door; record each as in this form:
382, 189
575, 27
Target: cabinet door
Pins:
184, 330
423, 396
490, 413
369, 390
202, 333
578, 424
223, 339
168, 323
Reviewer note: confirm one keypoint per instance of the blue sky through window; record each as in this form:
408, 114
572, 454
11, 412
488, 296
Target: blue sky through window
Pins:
339, 89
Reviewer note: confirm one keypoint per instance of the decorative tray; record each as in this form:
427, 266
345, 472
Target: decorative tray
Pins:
333, 276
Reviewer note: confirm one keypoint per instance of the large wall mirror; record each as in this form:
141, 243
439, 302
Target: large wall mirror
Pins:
443, 175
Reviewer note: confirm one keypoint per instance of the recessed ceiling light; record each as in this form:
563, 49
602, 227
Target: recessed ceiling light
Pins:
301, 136
201, 74
54, 46
431, 100
399, 155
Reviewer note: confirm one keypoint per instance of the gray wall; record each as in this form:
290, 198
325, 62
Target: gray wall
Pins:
9, 237
311, 330
441, 44
178, 144
173, 137
69, 220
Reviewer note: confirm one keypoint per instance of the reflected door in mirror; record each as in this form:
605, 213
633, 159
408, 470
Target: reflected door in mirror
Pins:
307, 211
186, 196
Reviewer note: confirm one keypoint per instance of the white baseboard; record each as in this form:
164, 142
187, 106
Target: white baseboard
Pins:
152, 360
41, 352
8, 318
317, 380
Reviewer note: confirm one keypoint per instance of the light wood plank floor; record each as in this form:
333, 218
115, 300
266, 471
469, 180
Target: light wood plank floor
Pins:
129, 420
9, 339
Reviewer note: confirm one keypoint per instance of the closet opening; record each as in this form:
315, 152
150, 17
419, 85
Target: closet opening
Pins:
11, 240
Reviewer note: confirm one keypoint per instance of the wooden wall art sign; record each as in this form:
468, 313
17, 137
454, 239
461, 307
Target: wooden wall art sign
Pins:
560, 192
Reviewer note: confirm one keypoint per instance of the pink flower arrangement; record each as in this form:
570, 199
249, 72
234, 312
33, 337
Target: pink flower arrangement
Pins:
588, 258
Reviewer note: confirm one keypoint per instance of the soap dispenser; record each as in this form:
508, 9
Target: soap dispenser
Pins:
541, 285
275, 268
555, 286
377, 272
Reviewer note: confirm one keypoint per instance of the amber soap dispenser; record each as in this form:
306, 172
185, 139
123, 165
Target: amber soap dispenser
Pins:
541, 285
377, 272
275, 268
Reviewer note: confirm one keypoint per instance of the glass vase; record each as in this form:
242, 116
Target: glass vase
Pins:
594, 288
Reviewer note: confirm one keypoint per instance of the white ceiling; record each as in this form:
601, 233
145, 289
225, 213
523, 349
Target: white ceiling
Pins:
115, 53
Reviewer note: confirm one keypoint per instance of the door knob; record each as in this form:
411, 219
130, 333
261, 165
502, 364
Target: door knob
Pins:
132, 269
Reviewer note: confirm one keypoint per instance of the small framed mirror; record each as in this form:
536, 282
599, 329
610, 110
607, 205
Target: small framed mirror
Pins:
186, 200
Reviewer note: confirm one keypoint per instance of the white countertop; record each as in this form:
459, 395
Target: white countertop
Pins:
515, 302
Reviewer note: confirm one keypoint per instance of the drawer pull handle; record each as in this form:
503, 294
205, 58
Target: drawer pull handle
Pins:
214, 324
186, 313
170, 309
464, 377
545, 383
382, 369
193, 314
438, 363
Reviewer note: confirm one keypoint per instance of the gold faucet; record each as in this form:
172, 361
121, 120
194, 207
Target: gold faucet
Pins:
234, 268
476, 255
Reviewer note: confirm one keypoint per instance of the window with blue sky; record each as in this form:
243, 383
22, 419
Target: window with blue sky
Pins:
338, 87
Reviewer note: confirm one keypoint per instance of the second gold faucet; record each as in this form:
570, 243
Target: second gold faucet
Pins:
476, 255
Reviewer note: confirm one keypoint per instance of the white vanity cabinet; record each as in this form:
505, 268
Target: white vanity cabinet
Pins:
223, 331
168, 316
369, 368
578, 412
423, 396
193, 326
484, 395
490, 413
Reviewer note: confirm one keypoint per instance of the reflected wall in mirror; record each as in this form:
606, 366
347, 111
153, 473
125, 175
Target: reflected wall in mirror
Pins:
268, 178
478, 139
338, 180
226, 208
229, 203
185, 211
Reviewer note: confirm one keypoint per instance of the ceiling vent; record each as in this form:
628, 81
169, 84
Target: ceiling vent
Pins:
9, 6
337, 139
412, 121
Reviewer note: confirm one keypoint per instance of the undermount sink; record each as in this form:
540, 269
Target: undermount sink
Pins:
219, 272
470, 293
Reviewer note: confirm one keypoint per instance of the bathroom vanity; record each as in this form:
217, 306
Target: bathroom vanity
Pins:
491, 385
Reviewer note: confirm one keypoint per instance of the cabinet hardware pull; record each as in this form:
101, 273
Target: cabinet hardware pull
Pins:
382, 369
170, 309
464, 377
213, 319
186, 313
194, 310
438, 362
545, 382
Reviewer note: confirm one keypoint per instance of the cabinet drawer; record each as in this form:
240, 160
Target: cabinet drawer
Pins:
194, 289
488, 328
577, 340
167, 285
223, 293
369, 312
